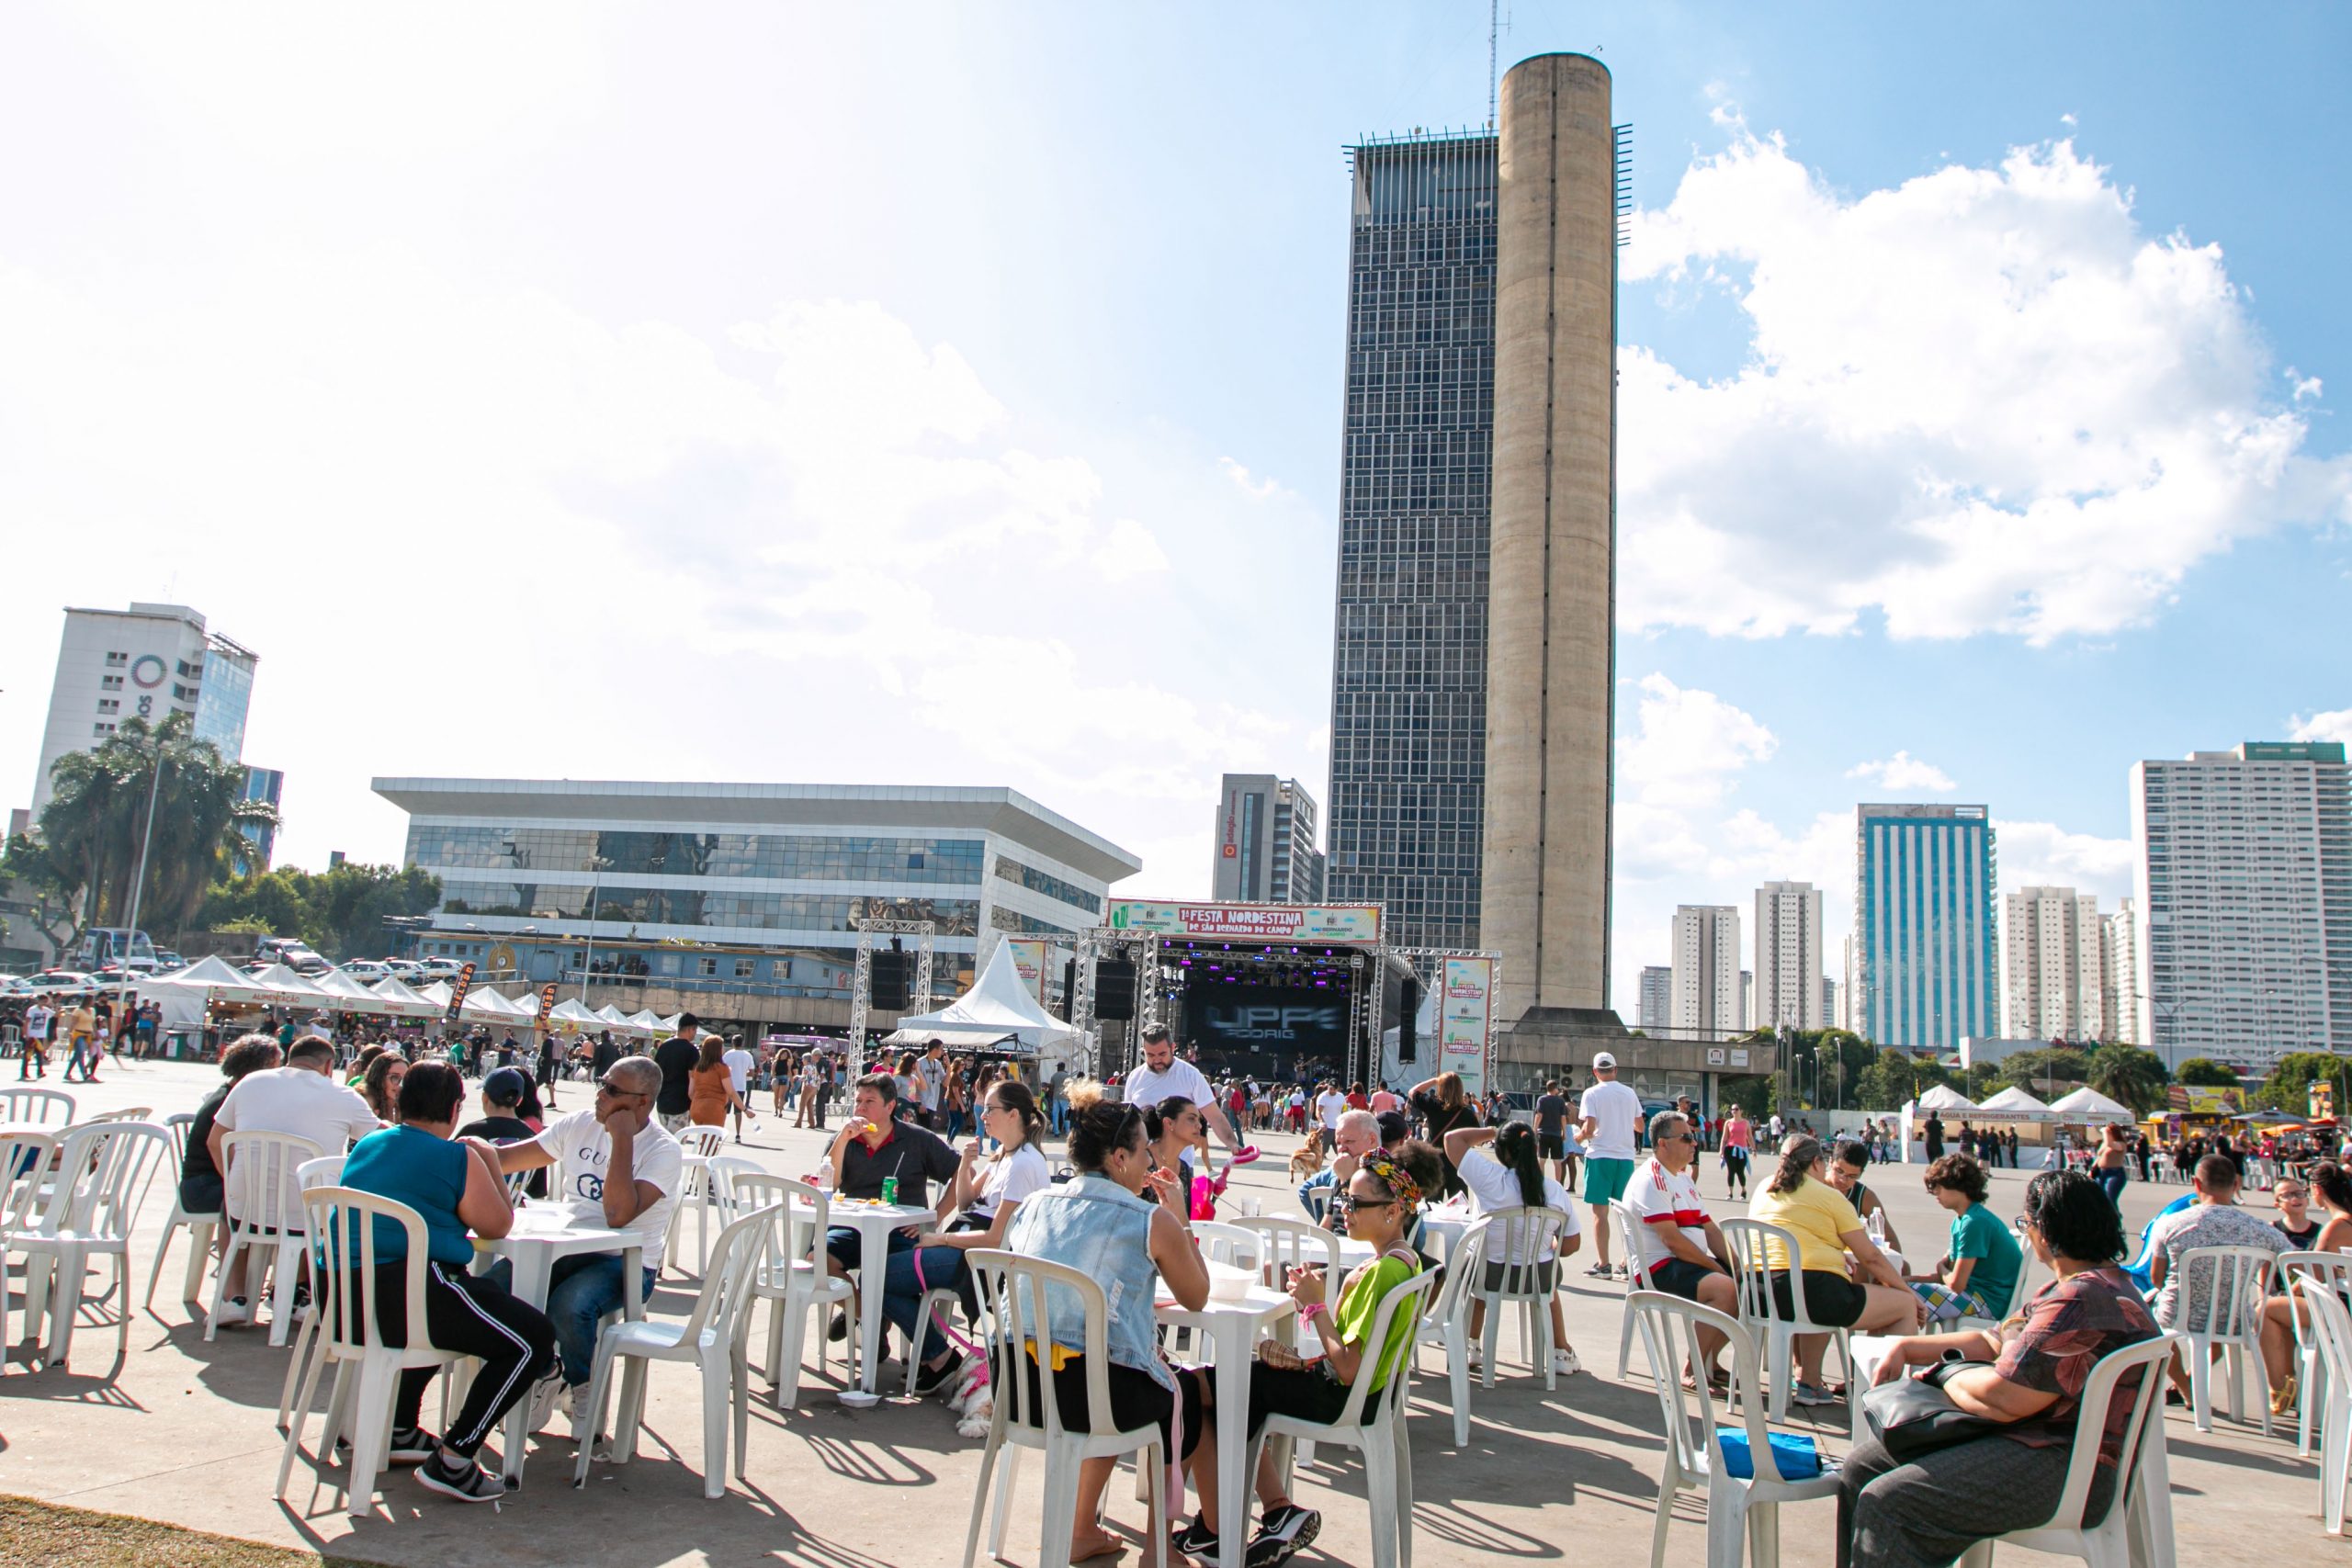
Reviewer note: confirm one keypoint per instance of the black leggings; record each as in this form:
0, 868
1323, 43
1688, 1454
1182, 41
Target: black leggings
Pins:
473, 1316
1310, 1394
1137, 1399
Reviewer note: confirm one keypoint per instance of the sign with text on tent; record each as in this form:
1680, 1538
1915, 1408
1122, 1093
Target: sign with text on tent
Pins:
1465, 1006
547, 1003
464, 983
1029, 963
1252, 922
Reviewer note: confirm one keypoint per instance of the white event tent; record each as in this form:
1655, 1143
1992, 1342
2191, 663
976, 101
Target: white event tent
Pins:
2016, 1105
401, 1001
998, 1008
2087, 1105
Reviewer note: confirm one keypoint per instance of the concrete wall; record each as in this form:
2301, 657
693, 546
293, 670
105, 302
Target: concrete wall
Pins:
1551, 595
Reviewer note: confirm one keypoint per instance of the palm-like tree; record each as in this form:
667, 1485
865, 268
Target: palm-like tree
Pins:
2129, 1075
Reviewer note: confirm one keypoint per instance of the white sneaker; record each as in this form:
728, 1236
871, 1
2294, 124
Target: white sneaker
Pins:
544, 1394
236, 1309
1565, 1362
575, 1406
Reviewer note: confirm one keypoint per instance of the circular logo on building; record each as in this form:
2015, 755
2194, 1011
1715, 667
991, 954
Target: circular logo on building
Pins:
147, 671
502, 958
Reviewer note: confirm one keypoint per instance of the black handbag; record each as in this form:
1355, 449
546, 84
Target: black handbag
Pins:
1912, 1416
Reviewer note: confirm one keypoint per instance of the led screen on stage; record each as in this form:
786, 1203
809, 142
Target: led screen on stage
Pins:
1266, 1031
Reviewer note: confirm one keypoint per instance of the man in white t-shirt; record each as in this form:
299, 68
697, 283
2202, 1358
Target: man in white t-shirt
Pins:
616, 1168
931, 1072
301, 1100
37, 1019
1330, 1105
738, 1065
1164, 1073
1606, 1117
1687, 1254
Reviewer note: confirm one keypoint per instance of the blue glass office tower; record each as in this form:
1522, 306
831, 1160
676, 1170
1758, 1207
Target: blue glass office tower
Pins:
1924, 966
1409, 668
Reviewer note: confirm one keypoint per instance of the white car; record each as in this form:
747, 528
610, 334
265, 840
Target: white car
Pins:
64, 980
441, 968
14, 985
406, 970
366, 971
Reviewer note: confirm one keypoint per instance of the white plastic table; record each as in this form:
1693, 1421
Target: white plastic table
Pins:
540, 1237
1234, 1326
873, 1221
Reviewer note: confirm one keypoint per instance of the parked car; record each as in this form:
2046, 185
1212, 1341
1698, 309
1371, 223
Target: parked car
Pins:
441, 968
64, 980
366, 971
14, 985
170, 959
407, 971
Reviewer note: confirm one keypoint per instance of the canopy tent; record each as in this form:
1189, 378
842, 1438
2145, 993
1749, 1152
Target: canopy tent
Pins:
2278, 1119
400, 1000
505, 1005
647, 1020
348, 995
569, 1013
2086, 1104
2016, 1105
614, 1016
1945, 1100
1000, 1008
285, 984
216, 981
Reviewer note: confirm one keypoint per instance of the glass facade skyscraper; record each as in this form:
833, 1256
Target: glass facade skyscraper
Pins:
1924, 950
1409, 705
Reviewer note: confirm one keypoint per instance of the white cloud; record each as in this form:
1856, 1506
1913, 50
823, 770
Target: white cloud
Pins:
2042, 854
2307, 388
1687, 746
1981, 401
1248, 484
2336, 725
1903, 771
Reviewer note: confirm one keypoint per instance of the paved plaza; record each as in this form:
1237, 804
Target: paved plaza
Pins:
185, 1432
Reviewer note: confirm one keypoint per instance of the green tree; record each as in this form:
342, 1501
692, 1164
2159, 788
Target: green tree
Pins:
2289, 1087
2205, 1073
98, 819
1751, 1092
2043, 1069
2129, 1075
1895, 1077
52, 888
340, 911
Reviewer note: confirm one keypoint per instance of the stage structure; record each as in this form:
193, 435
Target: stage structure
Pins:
862, 981
1275, 991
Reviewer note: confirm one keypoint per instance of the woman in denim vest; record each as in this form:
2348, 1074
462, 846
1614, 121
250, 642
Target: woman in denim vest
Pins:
1099, 1224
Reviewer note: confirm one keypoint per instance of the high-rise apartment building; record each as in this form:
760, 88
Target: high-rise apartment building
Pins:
1657, 1002
1833, 1003
1265, 842
2119, 970
1706, 969
2243, 885
267, 784
1408, 668
2052, 966
1924, 971
1790, 963
149, 662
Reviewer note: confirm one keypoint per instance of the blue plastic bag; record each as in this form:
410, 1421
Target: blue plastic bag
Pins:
1794, 1455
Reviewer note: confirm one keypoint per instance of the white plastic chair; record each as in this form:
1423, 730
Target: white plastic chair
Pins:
2331, 1329
88, 1211
1739, 1508
696, 1189
711, 1339
1632, 1236
1447, 1324
199, 1227
790, 1275
312, 1174
2137, 1529
36, 1106
2239, 1280
1751, 1271
1285, 1244
1234, 1244
262, 1203
1382, 1438
343, 1223
1533, 1235
2315, 1272
1014, 1292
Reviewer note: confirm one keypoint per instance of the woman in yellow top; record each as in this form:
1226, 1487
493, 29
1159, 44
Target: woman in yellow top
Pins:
1382, 1200
1801, 1199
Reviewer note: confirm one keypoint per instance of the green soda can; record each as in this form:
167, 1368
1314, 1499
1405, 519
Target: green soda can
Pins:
889, 1189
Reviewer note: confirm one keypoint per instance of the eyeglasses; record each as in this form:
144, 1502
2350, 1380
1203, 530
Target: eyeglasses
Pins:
1356, 1202
1678, 1138
607, 1086
2290, 1192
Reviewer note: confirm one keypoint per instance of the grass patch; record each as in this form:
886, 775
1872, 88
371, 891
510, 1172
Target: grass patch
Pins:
57, 1536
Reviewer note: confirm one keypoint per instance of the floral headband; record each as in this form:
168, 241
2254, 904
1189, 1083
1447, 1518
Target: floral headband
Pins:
1392, 1176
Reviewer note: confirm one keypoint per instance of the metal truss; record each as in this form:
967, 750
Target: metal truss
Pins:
1423, 964
860, 996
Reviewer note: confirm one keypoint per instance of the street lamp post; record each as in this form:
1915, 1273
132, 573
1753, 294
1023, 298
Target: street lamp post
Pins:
596, 866
138, 881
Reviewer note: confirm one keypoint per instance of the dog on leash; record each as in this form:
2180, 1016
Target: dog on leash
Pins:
1308, 1160
972, 1400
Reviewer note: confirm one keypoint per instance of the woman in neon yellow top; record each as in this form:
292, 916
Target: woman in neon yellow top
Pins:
1381, 1202
1802, 1200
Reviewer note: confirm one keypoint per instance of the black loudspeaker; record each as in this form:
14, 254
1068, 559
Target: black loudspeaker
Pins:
1408, 1021
894, 979
1115, 989
1069, 984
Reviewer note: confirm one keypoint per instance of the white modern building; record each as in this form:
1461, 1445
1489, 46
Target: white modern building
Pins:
1706, 969
149, 662
2119, 966
1789, 960
1266, 850
2243, 888
1925, 970
2053, 968
748, 891
1655, 1009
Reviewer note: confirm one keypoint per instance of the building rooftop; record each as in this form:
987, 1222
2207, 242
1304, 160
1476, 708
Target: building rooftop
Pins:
1006, 812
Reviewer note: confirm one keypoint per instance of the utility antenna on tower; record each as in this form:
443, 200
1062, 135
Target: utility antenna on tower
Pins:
1494, 31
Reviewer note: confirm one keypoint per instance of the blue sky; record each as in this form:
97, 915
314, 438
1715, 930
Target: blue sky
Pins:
951, 394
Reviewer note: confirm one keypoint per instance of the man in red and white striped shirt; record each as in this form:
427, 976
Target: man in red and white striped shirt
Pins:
1682, 1250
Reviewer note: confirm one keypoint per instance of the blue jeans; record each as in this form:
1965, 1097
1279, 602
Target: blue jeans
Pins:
943, 1269
581, 1290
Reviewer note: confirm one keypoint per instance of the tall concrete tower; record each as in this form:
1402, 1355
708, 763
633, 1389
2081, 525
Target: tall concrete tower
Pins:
1552, 593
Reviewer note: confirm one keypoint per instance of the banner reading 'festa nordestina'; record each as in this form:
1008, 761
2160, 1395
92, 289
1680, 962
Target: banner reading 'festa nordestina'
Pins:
1253, 922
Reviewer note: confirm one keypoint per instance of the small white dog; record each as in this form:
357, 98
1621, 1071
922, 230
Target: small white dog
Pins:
972, 1400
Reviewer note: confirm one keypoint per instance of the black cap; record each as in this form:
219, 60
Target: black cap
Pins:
507, 1086
1393, 1128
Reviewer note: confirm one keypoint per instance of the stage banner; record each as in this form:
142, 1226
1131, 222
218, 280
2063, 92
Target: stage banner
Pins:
1254, 922
1268, 1031
1029, 959
1467, 998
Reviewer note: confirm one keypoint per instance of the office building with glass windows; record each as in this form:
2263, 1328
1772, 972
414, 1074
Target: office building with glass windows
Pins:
737, 900
1408, 676
149, 662
1926, 972
1265, 842
2242, 893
